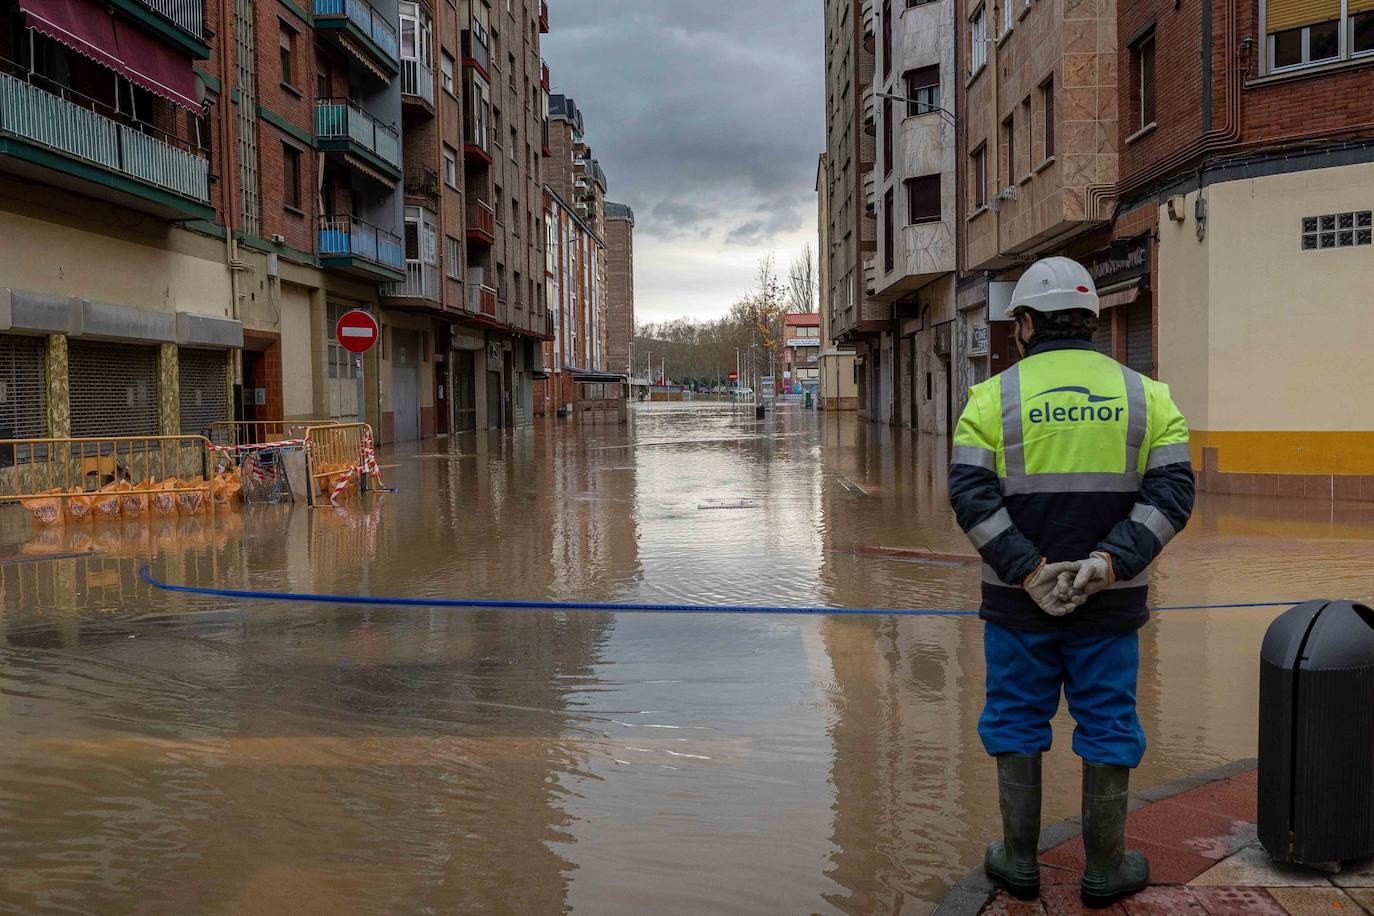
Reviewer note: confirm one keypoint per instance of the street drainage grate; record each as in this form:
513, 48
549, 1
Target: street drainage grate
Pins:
728, 504
851, 486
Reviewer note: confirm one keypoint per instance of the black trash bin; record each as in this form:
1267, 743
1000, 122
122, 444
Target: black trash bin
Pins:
1316, 734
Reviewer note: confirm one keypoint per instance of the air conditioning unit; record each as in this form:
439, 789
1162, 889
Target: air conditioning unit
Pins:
1008, 193
279, 240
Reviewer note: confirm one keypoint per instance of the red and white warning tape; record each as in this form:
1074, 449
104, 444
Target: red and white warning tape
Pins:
256, 446
368, 466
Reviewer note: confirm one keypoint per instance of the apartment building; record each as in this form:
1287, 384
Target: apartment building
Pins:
1246, 173
911, 189
497, 352
849, 257
576, 355
620, 289
192, 199
801, 347
837, 389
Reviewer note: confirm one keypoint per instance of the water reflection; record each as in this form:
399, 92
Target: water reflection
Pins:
171, 753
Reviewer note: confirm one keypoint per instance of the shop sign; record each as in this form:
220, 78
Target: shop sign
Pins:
978, 340
803, 341
1124, 259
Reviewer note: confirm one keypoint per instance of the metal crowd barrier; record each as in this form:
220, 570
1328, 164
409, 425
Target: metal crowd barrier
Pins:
33, 468
333, 453
254, 432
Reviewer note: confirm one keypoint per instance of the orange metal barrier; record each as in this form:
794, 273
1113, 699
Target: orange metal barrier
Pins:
338, 460
251, 432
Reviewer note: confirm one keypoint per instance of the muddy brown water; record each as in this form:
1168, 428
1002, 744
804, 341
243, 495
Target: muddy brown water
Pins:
180, 754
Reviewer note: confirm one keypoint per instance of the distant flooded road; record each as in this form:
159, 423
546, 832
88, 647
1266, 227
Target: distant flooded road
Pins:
178, 754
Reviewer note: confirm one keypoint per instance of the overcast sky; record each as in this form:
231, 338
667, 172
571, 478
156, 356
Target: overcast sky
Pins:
708, 117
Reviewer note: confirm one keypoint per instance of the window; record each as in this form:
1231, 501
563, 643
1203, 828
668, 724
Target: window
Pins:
1301, 33
291, 176
977, 36
978, 177
446, 72
453, 258
1047, 110
887, 38
514, 145
887, 136
287, 38
923, 199
450, 167
1026, 142
1337, 230
1008, 16
1143, 83
1009, 151
889, 230
922, 90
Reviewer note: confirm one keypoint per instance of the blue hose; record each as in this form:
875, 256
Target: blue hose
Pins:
603, 606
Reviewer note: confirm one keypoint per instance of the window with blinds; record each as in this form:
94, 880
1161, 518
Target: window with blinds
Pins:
204, 392
23, 393
112, 389
1302, 33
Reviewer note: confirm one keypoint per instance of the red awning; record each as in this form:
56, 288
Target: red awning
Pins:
89, 29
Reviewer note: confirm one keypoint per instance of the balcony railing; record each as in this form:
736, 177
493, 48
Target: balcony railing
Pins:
370, 21
337, 119
476, 46
417, 79
544, 16
482, 299
423, 182
187, 15
43, 118
348, 236
545, 79
482, 220
421, 282
475, 134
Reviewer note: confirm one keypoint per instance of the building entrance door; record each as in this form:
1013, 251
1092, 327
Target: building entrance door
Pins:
405, 384
495, 419
464, 393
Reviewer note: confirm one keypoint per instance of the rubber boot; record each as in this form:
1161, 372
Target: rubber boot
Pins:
1110, 871
1012, 863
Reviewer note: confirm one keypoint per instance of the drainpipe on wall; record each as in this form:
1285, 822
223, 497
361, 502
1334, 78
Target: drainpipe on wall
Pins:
229, 196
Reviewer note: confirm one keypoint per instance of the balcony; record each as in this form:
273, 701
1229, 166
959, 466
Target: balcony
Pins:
182, 22
361, 31
423, 182
417, 82
545, 80
476, 49
341, 126
871, 24
476, 139
544, 16
61, 142
421, 282
362, 249
870, 275
481, 299
871, 193
871, 110
481, 224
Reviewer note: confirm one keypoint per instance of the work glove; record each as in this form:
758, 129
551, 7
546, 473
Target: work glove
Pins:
1094, 574
1050, 585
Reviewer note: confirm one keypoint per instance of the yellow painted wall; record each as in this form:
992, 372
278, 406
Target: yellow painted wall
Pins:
297, 368
146, 264
1262, 343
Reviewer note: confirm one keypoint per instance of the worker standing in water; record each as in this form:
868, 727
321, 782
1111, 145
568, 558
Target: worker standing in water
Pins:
1070, 473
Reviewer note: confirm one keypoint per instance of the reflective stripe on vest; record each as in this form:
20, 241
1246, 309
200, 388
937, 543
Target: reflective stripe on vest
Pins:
1018, 482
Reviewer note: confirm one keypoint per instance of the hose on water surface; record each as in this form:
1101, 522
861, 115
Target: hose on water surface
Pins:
649, 608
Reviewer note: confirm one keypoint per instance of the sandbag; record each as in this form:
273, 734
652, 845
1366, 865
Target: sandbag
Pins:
105, 503
133, 505
163, 501
194, 498
47, 508
80, 505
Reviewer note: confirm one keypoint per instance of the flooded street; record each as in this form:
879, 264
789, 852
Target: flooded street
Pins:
169, 753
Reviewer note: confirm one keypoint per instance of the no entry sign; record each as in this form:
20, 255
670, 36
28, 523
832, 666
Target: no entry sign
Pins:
734, 376
357, 331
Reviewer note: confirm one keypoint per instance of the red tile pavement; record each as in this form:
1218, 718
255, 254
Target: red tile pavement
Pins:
1065, 900
1235, 797
1163, 901
1238, 901
1002, 905
1168, 864
1181, 827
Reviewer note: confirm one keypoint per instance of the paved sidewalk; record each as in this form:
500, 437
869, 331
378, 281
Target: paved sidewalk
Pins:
1204, 860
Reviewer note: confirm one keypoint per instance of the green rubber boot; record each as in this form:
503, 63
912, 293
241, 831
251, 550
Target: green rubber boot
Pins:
1012, 863
1110, 870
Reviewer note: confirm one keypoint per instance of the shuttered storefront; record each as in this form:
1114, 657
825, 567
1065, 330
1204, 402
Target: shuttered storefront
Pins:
202, 380
113, 389
23, 393
1140, 337
1102, 337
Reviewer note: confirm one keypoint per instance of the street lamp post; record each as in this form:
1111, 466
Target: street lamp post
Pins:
922, 107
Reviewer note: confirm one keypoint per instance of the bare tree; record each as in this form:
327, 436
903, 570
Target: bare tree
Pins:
801, 283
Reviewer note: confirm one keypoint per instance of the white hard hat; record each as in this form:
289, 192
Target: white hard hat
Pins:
1054, 285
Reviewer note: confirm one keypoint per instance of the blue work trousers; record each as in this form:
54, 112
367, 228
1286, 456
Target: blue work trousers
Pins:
1097, 672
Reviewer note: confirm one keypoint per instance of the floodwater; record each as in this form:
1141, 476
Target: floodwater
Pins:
169, 753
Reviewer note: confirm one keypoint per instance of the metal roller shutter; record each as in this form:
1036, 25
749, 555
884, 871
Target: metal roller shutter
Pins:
201, 378
1140, 337
113, 389
1102, 337
23, 393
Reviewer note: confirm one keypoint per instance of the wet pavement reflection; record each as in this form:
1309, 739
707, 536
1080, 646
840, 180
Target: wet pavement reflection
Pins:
173, 753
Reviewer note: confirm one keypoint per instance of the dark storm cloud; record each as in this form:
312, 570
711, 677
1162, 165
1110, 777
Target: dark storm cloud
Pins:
706, 114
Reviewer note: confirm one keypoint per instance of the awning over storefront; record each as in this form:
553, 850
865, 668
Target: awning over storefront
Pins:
90, 30
1120, 294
